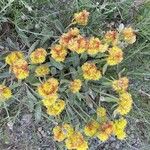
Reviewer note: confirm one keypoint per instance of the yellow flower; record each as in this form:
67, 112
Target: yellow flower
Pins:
105, 130
91, 128
5, 92
76, 141
90, 71
42, 70
66, 37
47, 102
48, 88
62, 132
13, 57
129, 35
120, 85
101, 112
115, 56
111, 37
58, 52
124, 104
94, 46
38, 56
78, 44
56, 108
81, 18
119, 127
20, 69
75, 85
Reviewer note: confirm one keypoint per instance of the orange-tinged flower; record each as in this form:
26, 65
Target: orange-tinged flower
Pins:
38, 56
75, 85
78, 44
124, 104
56, 108
58, 52
90, 71
62, 132
105, 130
48, 88
20, 69
119, 128
94, 46
120, 85
81, 18
91, 128
129, 35
49, 101
66, 37
42, 70
111, 37
13, 57
5, 92
76, 141
115, 56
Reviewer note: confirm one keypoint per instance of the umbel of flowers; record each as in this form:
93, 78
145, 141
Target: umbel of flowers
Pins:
73, 41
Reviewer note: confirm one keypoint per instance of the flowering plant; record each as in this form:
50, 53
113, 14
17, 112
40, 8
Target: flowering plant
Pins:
72, 77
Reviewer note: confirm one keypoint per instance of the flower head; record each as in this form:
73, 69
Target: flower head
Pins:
62, 132
129, 35
67, 37
49, 101
101, 112
42, 70
105, 130
75, 85
91, 128
5, 92
120, 85
48, 88
124, 104
78, 44
81, 18
56, 108
115, 56
119, 128
90, 71
94, 46
76, 141
58, 52
38, 56
111, 37
20, 69
13, 57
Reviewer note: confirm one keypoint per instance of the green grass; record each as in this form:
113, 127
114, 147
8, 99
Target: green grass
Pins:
25, 25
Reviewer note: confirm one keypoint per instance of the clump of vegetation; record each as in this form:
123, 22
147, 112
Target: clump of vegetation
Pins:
71, 76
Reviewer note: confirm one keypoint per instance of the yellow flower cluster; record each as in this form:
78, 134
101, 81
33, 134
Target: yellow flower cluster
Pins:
58, 52
103, 129
129, 35
38, 56
125, 99
48, 90
119, 128
18, 64
5, 93
13, 57
115, 56
90, 71
124, 104
75, 85
73, 139
42, 70
81, 18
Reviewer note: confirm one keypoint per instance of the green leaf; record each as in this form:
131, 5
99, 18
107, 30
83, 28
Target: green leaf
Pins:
5, 75
38, 112
30, 95
109, 99
59, 26
104, 68
33, 46
56, 64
